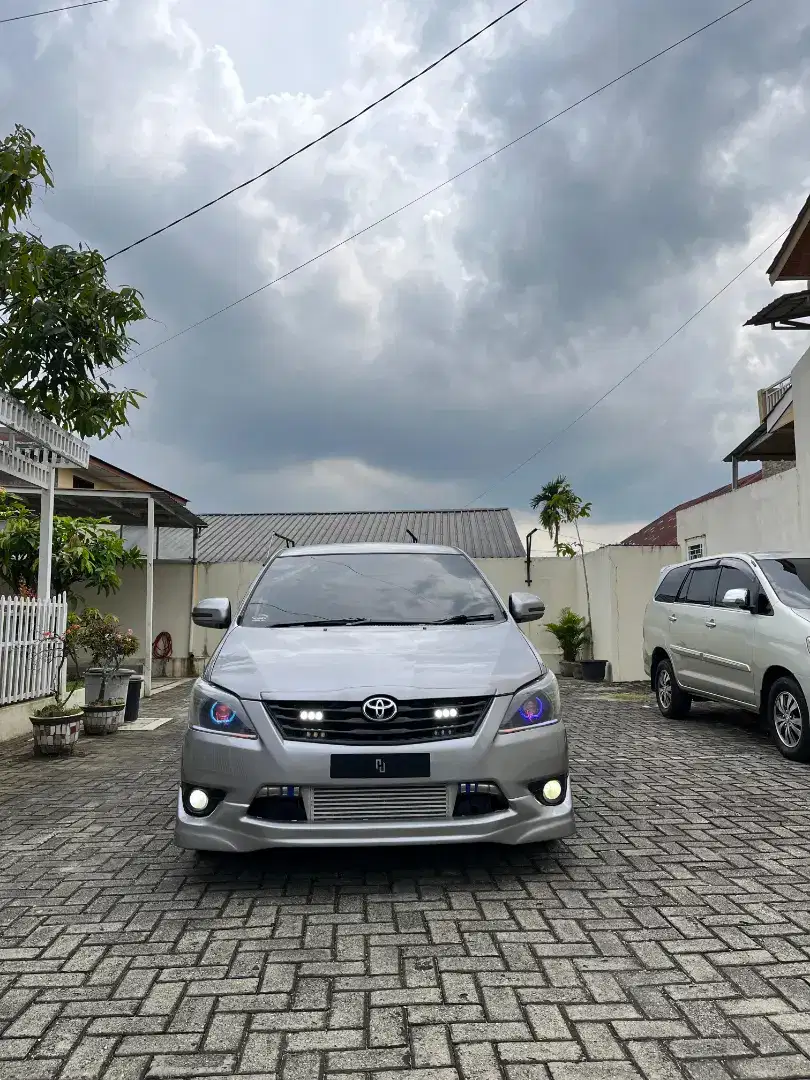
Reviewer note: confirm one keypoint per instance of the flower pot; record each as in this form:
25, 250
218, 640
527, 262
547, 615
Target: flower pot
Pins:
55, 735
594, 670
115, 688
102, 719
568, 668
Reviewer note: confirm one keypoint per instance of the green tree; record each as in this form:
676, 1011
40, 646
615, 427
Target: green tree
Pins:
560, 505
63, 330
86, 551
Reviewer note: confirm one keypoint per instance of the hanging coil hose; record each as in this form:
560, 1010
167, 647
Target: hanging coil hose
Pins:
162, 646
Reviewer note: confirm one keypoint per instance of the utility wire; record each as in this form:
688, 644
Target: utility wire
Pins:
443, 184
632, 371
326, 134
52, 11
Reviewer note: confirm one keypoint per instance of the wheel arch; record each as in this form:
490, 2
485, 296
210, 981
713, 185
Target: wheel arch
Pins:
774, 672
659, 654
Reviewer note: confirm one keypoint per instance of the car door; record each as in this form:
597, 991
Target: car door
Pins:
729, 652
689, 620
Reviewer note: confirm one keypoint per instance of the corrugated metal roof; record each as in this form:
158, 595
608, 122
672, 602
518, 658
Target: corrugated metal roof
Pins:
481, 533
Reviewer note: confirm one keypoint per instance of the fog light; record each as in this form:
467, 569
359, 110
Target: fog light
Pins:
552, 790
198, 800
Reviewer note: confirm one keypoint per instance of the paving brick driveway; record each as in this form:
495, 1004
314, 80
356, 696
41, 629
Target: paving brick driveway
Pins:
670, 938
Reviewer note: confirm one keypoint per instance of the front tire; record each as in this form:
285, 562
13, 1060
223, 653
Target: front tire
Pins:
788, 719
672, 701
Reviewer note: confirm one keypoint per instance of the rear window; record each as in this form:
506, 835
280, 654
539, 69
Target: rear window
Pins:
702, 585
672, 581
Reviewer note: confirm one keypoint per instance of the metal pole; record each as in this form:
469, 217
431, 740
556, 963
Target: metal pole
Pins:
150, 593
46, 538
193, 596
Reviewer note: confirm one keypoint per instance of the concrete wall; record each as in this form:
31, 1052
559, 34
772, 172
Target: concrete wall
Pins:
172, 603
800, 379
759, 517
621, 581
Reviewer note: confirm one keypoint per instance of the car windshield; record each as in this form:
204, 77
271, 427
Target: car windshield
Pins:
375, 587
790, 579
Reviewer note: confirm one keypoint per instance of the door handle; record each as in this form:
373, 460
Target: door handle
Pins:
673, 618
711, 624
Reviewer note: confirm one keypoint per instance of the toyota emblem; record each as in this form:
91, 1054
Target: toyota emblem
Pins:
379, 709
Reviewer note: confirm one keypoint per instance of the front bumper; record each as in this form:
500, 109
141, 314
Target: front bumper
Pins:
241, 768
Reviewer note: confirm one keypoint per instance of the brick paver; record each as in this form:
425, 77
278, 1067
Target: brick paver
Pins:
670, 938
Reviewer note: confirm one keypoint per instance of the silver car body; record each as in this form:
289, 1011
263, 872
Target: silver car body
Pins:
263, 665
722, 652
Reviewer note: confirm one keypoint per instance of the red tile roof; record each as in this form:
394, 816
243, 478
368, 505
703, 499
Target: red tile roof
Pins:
663, 532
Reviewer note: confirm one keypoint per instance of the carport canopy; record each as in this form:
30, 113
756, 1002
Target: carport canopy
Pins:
152, 509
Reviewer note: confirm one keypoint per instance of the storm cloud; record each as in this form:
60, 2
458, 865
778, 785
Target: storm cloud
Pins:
420, 363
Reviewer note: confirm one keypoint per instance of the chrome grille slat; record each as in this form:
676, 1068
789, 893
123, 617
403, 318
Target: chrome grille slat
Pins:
380, 804
344, 724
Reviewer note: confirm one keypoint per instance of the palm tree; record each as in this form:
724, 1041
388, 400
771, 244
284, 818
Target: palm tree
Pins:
562, 506
554, 498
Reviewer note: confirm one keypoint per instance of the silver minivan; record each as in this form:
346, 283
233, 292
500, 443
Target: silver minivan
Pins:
373, 694
735, 629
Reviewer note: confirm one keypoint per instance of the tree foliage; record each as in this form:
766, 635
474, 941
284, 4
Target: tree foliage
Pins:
86, 551
63, 330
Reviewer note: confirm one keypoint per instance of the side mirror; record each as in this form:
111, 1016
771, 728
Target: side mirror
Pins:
526, 607
215, 613
739, 598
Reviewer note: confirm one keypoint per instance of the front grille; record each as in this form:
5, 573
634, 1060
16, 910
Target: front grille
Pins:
343, 721
380, 804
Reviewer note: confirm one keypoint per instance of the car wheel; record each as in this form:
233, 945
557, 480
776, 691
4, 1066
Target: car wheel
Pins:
788, 717
672, 701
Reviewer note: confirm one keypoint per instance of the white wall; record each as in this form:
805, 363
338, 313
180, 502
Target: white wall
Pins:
800, 379
621, 581
172, 603
759, 517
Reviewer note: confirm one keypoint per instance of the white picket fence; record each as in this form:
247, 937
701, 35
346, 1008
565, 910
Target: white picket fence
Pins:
30, 646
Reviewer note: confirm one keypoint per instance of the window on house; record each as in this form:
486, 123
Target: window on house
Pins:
696, 548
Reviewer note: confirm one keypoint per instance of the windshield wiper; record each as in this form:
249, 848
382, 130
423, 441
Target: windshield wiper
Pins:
319, 622
457, 620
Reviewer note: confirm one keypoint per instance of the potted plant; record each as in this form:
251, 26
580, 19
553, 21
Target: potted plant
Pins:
106, 687
571, 632
56, 726
562, 506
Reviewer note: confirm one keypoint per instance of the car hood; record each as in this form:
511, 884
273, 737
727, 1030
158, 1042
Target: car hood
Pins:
351, 662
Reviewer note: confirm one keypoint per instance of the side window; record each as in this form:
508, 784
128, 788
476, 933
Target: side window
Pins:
702, 585
734, 577
668, 589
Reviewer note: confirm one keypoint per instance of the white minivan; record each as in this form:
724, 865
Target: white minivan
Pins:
735, 629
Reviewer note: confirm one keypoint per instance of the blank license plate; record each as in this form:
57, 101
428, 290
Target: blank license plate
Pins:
390, 766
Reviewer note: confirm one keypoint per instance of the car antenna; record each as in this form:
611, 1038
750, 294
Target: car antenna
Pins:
412, 536
290, 543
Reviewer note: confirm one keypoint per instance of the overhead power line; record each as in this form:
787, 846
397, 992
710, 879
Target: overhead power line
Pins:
443, 184
52, 11
326, 134
632, 371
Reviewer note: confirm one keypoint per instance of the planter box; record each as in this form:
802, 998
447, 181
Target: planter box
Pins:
594, 670
55, 735
102, 719
570, 669
115, 690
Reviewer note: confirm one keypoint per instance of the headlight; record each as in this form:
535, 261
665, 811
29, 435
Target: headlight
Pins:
533, 706
215, 710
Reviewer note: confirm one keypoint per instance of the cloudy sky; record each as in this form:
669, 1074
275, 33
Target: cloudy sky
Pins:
418, 365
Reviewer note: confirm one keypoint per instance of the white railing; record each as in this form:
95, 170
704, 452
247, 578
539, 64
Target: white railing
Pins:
42, 432
773, 395
30, 646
